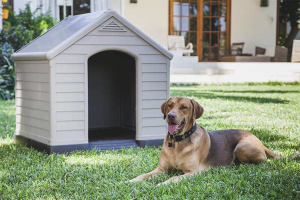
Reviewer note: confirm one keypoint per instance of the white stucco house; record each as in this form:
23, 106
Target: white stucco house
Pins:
216, 29
209, 25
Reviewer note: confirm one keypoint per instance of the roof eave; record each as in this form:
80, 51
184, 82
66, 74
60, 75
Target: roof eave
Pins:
29, 56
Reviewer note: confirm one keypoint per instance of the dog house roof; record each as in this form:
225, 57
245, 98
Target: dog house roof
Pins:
70, 30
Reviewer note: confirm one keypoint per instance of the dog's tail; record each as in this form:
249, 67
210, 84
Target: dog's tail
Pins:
271, 154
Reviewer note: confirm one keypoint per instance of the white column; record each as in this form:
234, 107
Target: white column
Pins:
1, 26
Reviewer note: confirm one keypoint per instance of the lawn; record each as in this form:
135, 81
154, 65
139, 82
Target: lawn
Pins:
271, 112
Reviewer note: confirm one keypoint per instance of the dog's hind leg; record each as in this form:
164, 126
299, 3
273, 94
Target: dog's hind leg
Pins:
250, 150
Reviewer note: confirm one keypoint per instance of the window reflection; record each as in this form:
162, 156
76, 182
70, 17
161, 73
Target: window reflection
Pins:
206, 9
193, 9
185, 23
81, 6
176, 7
214, 24
222, 22
176, 23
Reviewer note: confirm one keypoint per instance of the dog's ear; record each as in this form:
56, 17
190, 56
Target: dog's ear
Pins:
197, 110
164, 108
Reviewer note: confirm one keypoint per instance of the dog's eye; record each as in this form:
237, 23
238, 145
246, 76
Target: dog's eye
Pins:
183, 107
170, 106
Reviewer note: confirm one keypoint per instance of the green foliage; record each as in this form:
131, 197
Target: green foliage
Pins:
18, 31
271, 112
26, 26
7, 81
289, 12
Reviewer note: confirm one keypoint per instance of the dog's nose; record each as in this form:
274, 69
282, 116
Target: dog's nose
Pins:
171, 115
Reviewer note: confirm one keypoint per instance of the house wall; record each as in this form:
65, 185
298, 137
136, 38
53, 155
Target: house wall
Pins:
254, 25
33, 100
20, 5
70, 84
150, 16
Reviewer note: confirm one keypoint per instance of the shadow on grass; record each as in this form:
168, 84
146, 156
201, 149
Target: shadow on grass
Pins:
205, 95
268, 136
256, 91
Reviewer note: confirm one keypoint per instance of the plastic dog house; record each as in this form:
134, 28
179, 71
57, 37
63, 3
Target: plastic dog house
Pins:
93, 80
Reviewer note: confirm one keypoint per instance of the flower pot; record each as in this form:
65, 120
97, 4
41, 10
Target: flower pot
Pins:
5, 13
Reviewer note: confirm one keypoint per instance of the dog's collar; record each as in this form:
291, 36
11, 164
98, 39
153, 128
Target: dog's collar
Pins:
187, 134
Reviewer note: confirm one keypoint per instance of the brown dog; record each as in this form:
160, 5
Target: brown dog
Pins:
192, 149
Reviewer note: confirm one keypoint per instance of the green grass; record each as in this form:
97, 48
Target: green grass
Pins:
271, 112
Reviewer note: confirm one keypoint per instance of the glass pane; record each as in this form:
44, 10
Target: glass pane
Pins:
184, 23
176, 23
214, 39
214, 9
61, 13
205, 53
223, 9
186, 37
193, 38
206, 25
81, 7
222, 51
193, 24
222, 39
214, 54
176, 33
206, 9
176, 7
222, 24
206, 39
193, 9
195, 51
185, 8
214, 24
68, 10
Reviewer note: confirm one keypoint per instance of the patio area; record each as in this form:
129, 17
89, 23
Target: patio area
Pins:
187, 70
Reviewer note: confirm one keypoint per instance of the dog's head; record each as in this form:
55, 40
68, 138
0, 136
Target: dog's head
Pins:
181, 114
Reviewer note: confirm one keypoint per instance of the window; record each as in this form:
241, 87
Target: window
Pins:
184, 21
204, 23
73, 7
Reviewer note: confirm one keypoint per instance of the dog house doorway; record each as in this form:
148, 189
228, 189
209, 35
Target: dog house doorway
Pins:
111, 96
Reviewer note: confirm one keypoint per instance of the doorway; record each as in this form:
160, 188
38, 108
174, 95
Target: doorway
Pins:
111, 96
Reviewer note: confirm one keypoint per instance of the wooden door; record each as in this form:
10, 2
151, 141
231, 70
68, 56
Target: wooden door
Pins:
204, 23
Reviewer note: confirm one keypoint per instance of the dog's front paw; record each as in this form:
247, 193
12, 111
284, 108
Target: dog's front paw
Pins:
134, 180
163, 183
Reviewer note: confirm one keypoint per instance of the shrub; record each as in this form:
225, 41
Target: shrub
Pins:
18, 31
7, 81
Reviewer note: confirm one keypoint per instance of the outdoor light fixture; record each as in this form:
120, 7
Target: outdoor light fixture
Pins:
264, 3
133, 1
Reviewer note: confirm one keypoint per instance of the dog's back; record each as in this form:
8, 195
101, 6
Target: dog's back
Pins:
222, 145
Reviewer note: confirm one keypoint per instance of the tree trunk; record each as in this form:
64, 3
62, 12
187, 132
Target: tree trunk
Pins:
292, 35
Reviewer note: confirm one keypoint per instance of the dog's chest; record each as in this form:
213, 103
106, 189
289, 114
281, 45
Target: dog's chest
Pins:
183, 159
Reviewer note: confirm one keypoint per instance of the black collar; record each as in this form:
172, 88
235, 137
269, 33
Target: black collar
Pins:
187, 134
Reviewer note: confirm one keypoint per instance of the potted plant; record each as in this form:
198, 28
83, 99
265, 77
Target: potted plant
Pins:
4, 1
5, 11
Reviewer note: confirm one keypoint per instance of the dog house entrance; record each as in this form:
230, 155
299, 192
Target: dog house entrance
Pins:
111, 96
